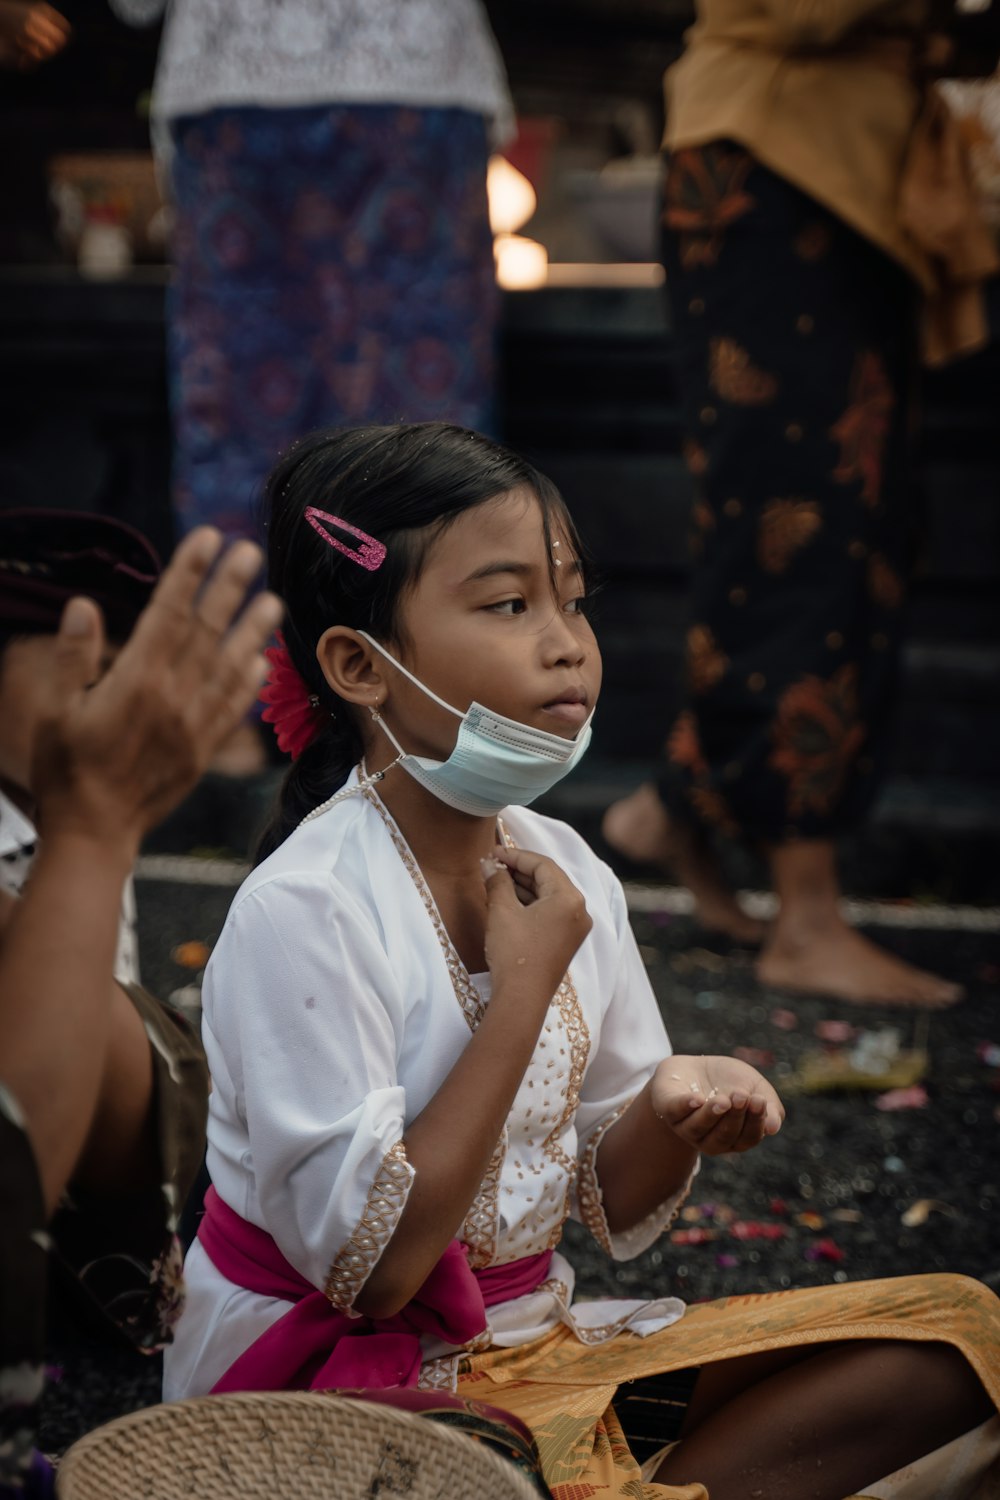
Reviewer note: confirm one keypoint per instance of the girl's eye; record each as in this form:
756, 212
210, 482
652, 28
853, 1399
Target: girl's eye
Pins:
577, 606
508, 607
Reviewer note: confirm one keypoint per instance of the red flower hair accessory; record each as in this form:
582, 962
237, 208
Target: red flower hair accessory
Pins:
294, 712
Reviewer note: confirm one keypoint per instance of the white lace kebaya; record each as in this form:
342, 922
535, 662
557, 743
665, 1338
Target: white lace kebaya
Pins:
426, 53
335, 1005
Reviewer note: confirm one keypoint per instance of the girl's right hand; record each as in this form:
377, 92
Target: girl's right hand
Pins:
536, 920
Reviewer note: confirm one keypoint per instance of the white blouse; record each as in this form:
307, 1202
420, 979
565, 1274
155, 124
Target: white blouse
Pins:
216, 53
334, 1008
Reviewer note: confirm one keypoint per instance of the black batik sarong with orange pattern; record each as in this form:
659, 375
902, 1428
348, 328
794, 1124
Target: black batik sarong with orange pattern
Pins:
795, 353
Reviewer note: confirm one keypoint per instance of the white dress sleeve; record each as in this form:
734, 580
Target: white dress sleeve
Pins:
633, 1040
302, 1015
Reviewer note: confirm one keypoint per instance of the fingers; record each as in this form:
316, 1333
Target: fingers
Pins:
534, 873
166, 621
232, 677
78, 649
500, 890
218, 604
718, 1105
46, 32
721, 1127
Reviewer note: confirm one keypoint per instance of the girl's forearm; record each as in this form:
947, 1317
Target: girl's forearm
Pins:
450, 1144
56, 992
640, 1163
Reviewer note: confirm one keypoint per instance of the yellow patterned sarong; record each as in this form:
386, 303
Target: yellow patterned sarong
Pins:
563, 1389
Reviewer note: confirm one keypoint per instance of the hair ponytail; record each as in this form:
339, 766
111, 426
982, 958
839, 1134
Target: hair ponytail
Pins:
311, 780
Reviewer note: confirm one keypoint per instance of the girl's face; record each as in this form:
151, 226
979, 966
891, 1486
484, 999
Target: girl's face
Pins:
490, 619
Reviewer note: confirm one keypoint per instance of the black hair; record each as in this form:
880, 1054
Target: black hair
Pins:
403, 485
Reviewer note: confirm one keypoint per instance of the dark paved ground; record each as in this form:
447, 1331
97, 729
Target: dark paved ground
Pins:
856, 1169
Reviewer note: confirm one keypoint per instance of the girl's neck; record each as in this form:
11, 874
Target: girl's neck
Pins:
442, 840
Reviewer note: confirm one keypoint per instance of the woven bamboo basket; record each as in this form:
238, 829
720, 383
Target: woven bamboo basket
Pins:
289, 1445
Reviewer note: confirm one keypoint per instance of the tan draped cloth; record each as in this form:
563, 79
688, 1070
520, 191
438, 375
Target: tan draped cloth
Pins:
831, 95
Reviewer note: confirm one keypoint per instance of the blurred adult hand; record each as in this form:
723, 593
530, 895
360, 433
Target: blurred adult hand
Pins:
113, 756
31, 32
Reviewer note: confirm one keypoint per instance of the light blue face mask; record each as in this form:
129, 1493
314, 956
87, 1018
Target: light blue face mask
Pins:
496, 762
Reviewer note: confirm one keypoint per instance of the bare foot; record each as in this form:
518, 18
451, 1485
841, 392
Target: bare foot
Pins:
837, 961
640, 828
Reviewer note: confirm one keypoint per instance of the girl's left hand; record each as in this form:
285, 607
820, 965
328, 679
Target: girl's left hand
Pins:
716, 1104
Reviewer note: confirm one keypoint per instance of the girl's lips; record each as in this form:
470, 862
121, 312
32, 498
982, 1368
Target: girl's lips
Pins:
570, 713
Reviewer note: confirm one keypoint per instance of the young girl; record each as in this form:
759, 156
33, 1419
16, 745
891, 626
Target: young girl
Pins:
432, 1040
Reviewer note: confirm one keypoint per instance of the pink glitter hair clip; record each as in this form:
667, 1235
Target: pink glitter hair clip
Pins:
370, 554
293, 712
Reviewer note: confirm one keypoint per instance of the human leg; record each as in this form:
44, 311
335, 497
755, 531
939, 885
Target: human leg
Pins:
795, 362
640, 827
823, 1422
811, 947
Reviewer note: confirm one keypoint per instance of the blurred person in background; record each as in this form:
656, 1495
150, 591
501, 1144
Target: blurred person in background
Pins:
30, 33
47, 556
817, 207
103, 1091
326, 162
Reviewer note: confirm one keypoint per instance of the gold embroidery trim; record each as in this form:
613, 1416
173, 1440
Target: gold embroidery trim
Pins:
578, 1037
591, 1199
465, 991
480, 1229
386, 1200
439, 1374
588, 1191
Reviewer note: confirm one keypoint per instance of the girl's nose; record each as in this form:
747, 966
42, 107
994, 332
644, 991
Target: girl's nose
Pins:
563, 644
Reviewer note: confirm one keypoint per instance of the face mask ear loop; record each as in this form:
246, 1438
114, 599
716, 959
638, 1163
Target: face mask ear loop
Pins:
408, 674
378, 719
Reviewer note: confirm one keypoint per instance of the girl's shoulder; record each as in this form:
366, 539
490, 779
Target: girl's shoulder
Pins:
328, 853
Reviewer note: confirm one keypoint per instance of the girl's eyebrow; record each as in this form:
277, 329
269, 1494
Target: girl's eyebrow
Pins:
519, 569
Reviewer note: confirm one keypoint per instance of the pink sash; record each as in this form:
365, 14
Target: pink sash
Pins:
315, 1347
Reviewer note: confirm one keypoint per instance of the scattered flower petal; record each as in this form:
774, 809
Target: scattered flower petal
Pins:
726, 1262
920, 1211
835, 1031
914, 1097
751, 1229
825, 1250
757, 1057
810, 1219
785, 1020
692, 1236
191, 955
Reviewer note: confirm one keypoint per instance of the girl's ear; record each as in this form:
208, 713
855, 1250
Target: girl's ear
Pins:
350, 666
